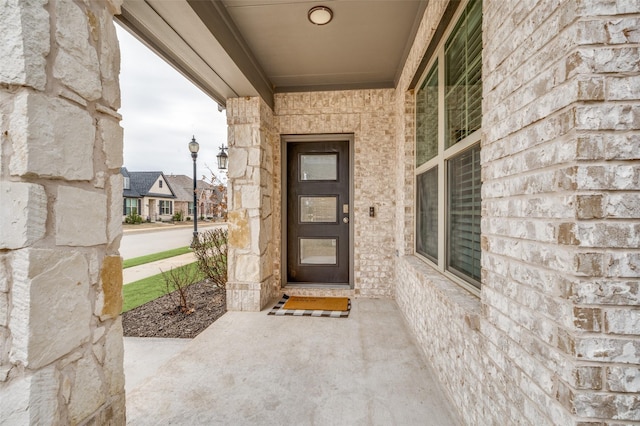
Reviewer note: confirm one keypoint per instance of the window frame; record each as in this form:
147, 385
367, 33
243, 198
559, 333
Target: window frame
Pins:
441, 160
169, 207
127, 206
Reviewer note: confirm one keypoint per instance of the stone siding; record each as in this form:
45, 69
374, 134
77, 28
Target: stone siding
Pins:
369, 116
252, 276
61, 205
255, 169
553, 337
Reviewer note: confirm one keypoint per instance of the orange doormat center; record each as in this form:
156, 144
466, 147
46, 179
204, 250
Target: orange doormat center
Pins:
317, 303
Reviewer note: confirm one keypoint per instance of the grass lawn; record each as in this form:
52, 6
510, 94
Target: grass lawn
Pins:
136, 261
145, 290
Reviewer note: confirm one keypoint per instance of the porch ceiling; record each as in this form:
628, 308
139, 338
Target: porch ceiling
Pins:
232, 48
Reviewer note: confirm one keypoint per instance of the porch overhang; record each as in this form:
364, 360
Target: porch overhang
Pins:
233, 48
175, 32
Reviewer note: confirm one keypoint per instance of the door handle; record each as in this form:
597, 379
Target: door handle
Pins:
345, 219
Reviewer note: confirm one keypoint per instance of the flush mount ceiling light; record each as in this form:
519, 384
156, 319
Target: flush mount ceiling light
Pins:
320, 15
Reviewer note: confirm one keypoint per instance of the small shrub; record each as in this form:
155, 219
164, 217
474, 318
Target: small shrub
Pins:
133, 217
211, 252
188, 218
177, 282
177, 217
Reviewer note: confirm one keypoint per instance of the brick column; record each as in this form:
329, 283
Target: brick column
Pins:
60, 196
561, 238
252, 279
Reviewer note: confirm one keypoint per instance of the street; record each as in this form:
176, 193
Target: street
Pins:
158, 239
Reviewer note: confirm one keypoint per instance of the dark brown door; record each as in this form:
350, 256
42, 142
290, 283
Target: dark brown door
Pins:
318, 212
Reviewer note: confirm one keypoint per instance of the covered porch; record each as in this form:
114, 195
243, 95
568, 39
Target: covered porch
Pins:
249, 368
492, 202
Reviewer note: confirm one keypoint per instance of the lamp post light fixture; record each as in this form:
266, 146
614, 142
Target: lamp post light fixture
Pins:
194, 147
223, 158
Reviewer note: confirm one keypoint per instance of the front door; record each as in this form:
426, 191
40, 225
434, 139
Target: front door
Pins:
318, 207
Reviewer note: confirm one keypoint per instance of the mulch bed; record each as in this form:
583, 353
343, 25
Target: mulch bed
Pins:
162, 317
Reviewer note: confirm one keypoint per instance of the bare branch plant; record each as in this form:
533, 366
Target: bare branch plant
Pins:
177, 282
211, 252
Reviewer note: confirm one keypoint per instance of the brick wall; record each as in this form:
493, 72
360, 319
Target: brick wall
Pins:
553, 338
560, 209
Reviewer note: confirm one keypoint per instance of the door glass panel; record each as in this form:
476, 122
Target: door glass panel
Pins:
318, 251
318, 167
318, 209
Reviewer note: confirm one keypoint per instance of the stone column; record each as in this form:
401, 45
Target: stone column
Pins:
60, 196
252, 279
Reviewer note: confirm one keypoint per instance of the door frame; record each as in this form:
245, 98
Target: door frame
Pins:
284, 163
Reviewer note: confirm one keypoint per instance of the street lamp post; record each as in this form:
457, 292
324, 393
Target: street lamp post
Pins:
193, 148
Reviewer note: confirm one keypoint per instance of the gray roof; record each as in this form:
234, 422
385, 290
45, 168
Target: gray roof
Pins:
183, 186
141, 182
131, 191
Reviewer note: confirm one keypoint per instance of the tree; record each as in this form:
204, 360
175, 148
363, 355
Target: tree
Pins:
218, 196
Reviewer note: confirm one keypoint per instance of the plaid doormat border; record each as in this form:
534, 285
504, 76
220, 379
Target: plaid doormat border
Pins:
278, 311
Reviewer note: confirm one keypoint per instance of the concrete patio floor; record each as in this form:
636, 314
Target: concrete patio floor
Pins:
249, 368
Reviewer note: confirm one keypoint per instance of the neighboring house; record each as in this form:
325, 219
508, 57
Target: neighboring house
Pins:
210, 201
183, 189
147, 193
206, 204
207, 196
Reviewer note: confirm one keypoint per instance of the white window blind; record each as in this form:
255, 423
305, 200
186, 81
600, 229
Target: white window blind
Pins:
464, 213
448, 120
463, 65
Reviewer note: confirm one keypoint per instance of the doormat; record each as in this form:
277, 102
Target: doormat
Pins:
332, 307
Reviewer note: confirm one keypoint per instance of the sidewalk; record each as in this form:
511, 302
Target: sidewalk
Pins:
136, 273
159, 226
143, 356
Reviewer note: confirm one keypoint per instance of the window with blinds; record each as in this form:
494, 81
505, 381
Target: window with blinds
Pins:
464, 213
463, 64
448, 120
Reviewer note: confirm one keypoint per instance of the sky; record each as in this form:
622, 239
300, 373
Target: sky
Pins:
161, 110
